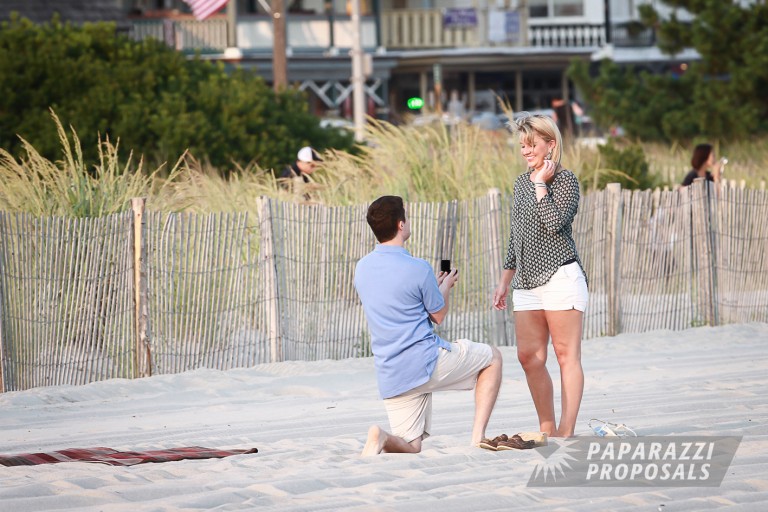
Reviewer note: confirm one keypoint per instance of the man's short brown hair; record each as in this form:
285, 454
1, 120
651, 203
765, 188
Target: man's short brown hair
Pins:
383, 216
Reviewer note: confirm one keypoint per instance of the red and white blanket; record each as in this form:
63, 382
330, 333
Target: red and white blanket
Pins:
115, 458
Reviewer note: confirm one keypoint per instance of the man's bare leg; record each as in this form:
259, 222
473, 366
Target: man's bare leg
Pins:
381, 441
532, 333
486, 391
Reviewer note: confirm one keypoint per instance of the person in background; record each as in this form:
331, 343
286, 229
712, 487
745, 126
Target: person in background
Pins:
562, 113
403, 299
305, 164
545, 271
702, 160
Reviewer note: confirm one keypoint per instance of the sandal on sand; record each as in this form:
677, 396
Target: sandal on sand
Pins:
492, 444
515, 443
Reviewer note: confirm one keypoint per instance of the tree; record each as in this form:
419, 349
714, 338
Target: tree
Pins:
158, 102
721, 96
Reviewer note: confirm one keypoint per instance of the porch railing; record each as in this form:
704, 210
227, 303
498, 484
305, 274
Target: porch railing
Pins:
208, 35
253, 33
409, 29
568, 36
400, 29
632, 35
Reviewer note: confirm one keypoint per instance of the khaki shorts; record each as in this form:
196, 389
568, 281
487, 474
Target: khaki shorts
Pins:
410, 414
566, 289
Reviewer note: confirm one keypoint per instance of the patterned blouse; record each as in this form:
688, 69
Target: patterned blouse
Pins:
541, 237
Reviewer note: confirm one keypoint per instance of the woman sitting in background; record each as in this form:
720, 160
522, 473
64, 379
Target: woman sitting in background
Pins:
702, 160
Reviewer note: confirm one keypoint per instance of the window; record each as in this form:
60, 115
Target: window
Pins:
568, 7
538, 8
555, 8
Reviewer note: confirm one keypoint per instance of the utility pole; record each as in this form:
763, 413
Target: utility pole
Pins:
232, 52
358, 80
231, 24
279, 61
437, 79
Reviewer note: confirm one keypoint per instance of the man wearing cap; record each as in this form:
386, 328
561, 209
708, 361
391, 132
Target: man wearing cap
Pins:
305, 164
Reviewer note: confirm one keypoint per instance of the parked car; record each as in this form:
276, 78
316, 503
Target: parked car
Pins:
337, 122
540, 112
489, 120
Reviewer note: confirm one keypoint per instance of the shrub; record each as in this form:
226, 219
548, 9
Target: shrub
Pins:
155, 100
626, 166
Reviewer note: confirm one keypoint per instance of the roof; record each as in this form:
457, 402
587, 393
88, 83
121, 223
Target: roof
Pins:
78, 11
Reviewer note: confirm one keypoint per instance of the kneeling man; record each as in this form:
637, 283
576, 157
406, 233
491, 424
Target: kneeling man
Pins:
402, 300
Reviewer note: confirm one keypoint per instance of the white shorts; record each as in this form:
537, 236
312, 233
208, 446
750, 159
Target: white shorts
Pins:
567, 289
410, 414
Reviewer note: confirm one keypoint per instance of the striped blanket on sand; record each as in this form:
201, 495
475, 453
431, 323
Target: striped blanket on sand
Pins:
116, 458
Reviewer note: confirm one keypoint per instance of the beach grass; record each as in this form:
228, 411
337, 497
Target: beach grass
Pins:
430, 163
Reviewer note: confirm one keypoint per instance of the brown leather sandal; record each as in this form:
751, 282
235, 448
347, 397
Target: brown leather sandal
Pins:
492, 444
515, 443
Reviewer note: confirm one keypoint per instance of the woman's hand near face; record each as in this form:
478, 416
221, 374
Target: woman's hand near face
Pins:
547, 172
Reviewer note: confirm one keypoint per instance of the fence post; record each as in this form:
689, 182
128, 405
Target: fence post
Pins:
702, 260
143, 355
271, 297
496, 245
713, 229
2, 344
450, 223
615, 210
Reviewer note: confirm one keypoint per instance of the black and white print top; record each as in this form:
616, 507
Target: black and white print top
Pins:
541, 237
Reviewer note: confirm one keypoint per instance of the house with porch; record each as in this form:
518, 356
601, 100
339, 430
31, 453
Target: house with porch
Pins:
444, 52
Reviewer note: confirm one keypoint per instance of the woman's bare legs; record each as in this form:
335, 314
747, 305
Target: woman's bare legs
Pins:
532, 335
565, 328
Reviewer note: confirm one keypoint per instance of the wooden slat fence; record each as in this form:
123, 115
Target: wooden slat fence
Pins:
203, 299
314, 250
740, 255
79, 302
65, 293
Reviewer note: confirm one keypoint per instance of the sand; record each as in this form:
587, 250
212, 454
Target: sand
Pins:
309, 421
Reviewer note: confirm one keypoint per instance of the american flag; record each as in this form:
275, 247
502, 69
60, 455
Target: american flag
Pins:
205, 8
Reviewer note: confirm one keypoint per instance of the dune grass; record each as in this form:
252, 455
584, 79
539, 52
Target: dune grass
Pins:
71, 188
421, 163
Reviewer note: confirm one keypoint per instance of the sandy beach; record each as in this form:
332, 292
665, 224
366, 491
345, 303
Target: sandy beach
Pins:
309, 421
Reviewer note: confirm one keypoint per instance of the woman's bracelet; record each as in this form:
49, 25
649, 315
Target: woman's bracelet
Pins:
540, 184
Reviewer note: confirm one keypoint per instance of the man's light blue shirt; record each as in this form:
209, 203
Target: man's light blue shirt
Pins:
398, 293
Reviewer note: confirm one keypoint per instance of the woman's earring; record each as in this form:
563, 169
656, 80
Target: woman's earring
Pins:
549, 155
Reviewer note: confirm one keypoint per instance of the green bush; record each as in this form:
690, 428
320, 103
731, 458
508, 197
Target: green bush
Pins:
626, 166
154, 100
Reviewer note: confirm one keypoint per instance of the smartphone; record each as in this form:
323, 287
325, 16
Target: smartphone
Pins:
445, 265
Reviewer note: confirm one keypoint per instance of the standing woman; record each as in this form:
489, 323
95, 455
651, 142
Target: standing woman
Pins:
550, 286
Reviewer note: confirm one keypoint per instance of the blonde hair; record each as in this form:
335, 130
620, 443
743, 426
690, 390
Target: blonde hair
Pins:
545, 127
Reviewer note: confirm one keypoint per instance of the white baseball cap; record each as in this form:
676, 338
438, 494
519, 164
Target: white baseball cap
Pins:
307, 154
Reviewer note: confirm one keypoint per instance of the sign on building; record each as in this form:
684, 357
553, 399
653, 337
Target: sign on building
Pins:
459, 18
503, 26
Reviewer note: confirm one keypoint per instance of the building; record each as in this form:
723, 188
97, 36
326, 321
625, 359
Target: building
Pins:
465, 52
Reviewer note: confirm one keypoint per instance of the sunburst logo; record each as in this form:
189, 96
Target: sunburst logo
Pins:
556, 461
666, 461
